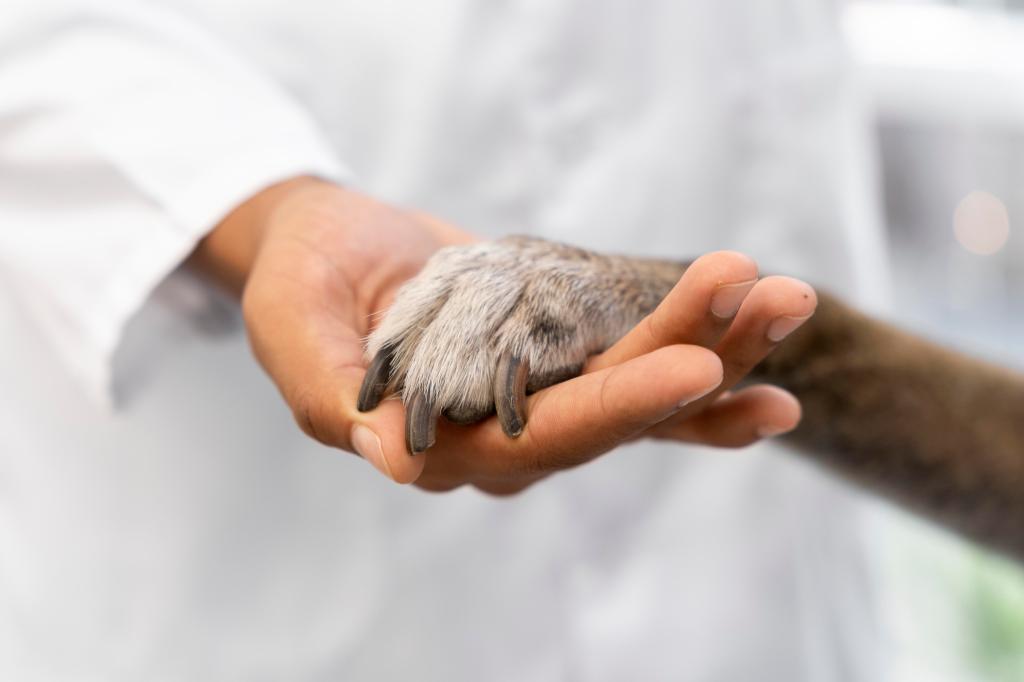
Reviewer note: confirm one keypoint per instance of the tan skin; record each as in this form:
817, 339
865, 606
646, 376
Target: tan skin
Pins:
312, 262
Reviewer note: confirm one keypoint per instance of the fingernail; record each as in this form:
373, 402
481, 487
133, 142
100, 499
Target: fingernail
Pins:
728, 298
697, 396
367, 444
771, 431
781, 327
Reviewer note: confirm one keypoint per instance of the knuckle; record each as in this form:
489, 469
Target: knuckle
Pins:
653, 327
602, 395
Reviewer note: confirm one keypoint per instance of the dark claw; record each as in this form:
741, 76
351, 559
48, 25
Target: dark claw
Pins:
376, 380
420, 423
510, 393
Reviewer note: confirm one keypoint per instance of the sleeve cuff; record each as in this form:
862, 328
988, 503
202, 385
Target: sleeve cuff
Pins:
156, 254
123, 163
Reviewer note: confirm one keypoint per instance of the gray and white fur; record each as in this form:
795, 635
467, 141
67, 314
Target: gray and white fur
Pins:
479, 318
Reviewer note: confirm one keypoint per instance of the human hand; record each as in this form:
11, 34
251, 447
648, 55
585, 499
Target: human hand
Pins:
316, 261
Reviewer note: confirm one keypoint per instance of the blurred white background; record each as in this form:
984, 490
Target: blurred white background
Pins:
947, 82
235, 519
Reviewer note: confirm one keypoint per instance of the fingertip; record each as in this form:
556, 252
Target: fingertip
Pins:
774, 411
738, 419
392, 459
782, 412
410, 468
726, 266
697, 371
367, 445
719, 281
705, 366
795, 297
405, 468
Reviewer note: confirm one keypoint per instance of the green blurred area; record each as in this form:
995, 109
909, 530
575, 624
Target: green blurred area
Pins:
994, 608
950, 611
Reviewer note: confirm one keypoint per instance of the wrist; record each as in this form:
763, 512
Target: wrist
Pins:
226, 254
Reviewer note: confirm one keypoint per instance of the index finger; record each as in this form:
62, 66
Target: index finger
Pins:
577, 420
698, 309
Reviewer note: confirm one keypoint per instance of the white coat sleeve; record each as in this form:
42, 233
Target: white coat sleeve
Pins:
126, 133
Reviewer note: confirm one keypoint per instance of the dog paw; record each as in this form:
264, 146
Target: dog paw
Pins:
485, 324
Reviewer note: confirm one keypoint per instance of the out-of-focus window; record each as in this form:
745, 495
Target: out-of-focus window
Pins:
969, 4
946, 80
986, 4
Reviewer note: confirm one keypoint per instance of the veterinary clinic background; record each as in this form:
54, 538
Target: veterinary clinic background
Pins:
163, 518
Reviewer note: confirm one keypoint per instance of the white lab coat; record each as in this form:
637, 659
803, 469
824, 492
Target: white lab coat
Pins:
161, 518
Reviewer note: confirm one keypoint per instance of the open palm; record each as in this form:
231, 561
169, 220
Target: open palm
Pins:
330, 259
